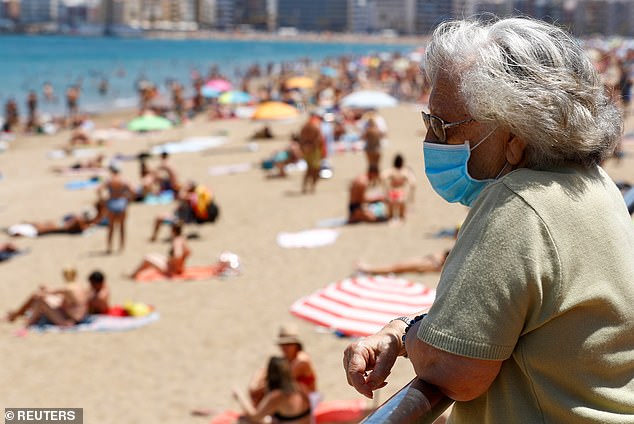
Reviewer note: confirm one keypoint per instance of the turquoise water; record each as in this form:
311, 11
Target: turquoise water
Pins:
27, 62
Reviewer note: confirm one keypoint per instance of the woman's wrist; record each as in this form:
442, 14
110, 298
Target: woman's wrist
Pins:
409, 323
397, 327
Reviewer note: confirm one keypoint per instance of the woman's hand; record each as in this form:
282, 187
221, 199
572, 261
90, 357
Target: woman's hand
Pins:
369, 361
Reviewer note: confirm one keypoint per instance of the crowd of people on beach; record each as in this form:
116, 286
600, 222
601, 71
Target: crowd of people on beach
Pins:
286, 389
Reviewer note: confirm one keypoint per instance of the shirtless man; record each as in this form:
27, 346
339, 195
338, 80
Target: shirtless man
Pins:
311, 143
99, 297
361, 199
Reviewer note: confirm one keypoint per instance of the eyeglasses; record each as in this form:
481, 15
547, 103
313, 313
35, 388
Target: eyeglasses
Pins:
438, 126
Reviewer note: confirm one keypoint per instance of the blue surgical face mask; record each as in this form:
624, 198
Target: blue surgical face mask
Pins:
447, 171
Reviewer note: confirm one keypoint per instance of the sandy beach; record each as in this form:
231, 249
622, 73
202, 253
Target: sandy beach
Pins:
212, 335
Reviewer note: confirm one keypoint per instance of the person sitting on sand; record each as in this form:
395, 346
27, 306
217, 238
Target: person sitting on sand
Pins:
68, 224
166, 175
196, 204
281, 158
120, 193
400, 184
284, 399
302, 368
174, 263
99, 297
65, 306
264, 133
363, 204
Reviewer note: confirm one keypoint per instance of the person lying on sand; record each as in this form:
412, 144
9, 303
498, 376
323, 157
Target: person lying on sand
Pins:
68, 224
95, 163
432, 262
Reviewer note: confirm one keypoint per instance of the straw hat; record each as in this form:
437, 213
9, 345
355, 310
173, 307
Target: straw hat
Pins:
288, 334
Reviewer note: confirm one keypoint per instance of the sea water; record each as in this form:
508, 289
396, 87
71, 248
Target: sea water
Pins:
28, 62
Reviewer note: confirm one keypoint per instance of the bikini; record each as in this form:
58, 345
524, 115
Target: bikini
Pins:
281, 417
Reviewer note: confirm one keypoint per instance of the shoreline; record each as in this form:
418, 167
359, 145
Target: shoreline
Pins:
326, 37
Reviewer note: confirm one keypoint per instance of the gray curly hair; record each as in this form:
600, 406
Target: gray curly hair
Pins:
533, 79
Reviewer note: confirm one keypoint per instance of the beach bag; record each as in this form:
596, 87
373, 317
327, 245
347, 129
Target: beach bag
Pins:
213, 212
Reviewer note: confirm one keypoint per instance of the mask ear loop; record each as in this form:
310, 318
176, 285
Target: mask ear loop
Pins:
501, 170
485, 137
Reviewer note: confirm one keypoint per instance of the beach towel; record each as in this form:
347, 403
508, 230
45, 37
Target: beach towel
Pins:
229, 169
307, 239
76, 153
189, 145
163, 198
82, 184
333, 411
193, 273
24, 230
100, 323
5, 256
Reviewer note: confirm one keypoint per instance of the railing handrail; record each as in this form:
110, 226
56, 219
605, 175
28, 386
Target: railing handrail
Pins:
417, 402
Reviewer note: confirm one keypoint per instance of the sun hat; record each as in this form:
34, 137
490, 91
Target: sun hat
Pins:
288, 334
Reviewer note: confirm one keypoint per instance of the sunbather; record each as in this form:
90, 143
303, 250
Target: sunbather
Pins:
428, 263
302, 368
174, 263
196, 204
65, 306
95, 164
284, 399
68, 224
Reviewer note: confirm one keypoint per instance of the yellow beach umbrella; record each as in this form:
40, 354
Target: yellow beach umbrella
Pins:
273, 111
300, 82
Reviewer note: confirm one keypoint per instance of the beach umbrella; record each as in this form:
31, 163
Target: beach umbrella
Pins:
219, 84
210, 92
149, 122
274, 111
300, 82
234, 97
362, 305
328, 71
368, 99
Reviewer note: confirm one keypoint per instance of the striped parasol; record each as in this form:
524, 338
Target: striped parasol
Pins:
362, 305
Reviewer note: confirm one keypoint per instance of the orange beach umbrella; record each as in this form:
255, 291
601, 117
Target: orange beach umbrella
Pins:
274, 111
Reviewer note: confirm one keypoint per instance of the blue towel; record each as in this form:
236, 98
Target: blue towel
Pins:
82, 184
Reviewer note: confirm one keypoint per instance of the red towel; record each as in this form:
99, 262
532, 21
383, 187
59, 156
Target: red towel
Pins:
193, 273
225, 417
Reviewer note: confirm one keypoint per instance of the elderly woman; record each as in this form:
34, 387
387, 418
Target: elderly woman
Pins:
533, 319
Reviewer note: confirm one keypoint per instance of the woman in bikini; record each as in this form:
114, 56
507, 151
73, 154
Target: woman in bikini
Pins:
120, 193
174, 263
399, 184
284, 401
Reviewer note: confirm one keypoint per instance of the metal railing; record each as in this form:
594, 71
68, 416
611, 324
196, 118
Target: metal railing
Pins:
416, 403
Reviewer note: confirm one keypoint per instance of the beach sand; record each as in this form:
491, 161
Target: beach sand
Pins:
213, 334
